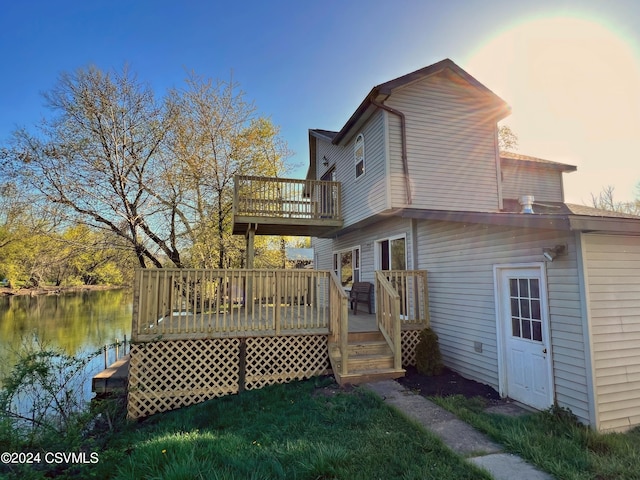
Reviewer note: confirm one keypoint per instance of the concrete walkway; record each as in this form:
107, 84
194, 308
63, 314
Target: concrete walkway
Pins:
458, 435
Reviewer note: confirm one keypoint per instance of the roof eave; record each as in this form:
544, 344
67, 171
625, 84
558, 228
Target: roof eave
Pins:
565, 222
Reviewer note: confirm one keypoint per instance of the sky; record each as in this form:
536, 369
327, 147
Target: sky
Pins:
570, 70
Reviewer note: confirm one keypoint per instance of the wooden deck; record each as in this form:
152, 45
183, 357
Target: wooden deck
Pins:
281, 206
197, 334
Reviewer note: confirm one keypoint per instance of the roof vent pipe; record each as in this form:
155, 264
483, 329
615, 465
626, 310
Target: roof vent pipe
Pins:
527, 203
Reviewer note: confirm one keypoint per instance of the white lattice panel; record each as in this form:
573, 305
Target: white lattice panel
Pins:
283, 359
171, 374
410, 339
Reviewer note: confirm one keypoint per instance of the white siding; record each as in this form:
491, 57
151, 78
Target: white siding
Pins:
460, 259
613, 280
450, 147
544, 184
367, 195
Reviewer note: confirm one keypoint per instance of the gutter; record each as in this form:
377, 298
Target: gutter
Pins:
403, 135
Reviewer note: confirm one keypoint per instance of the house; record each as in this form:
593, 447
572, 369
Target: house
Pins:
538, 298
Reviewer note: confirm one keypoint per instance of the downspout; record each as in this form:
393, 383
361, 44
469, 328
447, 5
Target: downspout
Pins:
403, 135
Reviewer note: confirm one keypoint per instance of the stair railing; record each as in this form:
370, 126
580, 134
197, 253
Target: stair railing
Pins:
388, 316
339, 320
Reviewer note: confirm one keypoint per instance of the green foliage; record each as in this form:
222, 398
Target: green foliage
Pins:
428, 356
555, 441
507, 140
41, 397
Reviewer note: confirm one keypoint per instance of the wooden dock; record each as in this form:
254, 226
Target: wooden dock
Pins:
113, 379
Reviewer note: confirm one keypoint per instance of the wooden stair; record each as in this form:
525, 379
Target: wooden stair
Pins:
370, 359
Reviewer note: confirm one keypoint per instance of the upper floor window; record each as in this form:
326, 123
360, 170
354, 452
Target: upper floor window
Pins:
358, 151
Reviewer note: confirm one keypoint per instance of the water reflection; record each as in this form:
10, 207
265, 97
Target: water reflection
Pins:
76, 323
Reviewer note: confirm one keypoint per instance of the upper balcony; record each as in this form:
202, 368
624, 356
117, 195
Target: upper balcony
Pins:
280, 206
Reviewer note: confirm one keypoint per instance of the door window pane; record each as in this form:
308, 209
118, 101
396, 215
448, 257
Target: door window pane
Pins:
526, 329
513, 287
537, 330
535, 288
535, 309
515, 326
524, 287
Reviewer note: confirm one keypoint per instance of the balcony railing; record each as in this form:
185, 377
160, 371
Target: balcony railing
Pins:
286, 206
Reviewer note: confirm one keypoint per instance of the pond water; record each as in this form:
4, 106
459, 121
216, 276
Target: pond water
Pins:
76, 323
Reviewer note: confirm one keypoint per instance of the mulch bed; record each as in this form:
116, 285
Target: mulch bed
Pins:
446, 384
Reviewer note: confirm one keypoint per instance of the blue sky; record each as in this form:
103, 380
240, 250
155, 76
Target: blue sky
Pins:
309, 64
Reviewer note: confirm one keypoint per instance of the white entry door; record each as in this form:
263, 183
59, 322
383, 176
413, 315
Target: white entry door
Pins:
526, 369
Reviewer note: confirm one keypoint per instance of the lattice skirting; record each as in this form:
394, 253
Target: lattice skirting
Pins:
410, 339
166, 375
283, 359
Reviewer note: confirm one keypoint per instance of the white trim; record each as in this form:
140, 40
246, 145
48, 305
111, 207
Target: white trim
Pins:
501, 340
587, 339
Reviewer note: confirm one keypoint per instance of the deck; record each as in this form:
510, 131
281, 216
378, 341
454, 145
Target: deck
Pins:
197, 334
279, 206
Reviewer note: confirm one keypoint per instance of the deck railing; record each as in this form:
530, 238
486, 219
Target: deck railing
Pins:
339, 326
388, 316
286, 198
411, 285
191, 303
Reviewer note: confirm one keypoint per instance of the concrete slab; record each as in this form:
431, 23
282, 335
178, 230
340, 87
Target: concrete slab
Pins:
504, 466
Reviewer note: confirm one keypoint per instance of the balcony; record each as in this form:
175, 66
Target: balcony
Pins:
278, 206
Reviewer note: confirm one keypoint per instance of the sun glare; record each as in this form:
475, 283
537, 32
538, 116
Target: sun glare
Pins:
574, 88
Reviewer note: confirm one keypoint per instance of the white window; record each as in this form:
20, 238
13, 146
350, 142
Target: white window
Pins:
346, 265
358, 153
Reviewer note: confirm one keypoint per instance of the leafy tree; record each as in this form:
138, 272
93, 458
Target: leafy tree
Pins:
217, 135
507, 140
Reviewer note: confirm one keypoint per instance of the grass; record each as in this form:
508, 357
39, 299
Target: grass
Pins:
555, 441
302, 430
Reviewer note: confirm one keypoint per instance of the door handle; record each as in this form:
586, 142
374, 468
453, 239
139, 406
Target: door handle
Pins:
544, 350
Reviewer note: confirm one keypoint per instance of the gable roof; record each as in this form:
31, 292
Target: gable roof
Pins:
511, 158
381, 92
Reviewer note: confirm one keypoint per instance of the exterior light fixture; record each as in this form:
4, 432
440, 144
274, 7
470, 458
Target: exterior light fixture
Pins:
551, 253
325, 161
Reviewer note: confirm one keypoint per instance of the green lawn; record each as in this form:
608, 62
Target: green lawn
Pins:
555, 442
303, 430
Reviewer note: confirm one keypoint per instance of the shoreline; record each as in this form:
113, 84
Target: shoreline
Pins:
53, 290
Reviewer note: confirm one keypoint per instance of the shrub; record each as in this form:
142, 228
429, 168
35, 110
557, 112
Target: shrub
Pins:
428, 356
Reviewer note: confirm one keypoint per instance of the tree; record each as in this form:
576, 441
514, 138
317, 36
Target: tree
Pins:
217, 135
158, 176
97, 156
605, 201
507, 140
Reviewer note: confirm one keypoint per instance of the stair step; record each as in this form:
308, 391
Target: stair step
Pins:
354, 337
371, 347
367, 376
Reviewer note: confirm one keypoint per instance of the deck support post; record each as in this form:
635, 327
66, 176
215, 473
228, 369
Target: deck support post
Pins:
251, 234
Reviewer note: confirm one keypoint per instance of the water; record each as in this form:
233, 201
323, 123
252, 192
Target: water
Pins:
76, 323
